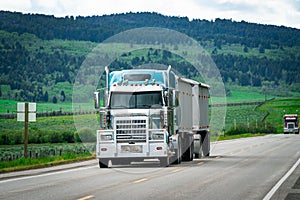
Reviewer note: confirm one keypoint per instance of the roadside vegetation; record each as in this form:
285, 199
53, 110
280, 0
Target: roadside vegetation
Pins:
38, 64
33, 163
54, 140
231, 137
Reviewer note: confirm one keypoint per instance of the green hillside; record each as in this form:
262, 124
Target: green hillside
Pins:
278, 108
40, 63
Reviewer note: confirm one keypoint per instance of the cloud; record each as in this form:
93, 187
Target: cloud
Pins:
277, 12
15, 5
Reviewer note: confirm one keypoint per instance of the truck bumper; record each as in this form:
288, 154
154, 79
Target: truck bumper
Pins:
294, 130
138, 150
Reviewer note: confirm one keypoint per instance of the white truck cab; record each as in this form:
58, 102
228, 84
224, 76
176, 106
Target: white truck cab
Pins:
151, 114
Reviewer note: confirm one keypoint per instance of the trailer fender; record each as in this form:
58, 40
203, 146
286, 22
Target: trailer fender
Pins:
174, 139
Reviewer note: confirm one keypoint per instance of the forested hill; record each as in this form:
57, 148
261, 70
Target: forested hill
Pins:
40, 54
99, 28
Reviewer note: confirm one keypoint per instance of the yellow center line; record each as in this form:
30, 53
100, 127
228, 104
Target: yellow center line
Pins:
140, 180
200, 163
176, 170
87, 197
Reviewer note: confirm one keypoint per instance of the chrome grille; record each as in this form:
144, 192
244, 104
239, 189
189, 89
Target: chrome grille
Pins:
290, 126
131, 129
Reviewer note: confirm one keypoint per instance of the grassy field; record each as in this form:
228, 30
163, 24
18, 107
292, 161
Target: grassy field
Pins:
53, 154
244, 114
277, 108
10, 106
11, 152
235, 114
238, 94
34, 163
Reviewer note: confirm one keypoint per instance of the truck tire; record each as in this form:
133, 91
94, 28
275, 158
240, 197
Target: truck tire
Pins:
198, 154
198, 151
192, 152
103, 163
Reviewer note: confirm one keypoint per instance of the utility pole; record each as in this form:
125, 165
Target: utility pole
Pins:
26, 113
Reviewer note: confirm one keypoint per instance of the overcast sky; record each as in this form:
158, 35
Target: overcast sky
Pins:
276, 12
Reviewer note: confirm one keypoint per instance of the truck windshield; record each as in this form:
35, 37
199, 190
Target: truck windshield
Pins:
136, 100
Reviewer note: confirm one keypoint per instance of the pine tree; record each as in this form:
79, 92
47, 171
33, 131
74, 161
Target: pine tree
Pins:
63, 96
54, 100
46, 96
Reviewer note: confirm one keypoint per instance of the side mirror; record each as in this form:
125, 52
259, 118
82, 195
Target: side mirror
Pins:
97, 100
166, 97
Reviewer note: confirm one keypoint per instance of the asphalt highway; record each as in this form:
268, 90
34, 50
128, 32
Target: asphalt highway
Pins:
247, 168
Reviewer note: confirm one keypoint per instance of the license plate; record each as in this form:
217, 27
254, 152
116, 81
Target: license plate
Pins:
132, 149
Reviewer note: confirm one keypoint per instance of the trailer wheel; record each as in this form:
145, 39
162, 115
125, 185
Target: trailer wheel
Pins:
192, 152
199, 153
103, 163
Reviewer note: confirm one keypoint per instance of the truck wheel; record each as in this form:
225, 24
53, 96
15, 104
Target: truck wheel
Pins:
199, 153
192, 151
297, 132
103, 163
164, 162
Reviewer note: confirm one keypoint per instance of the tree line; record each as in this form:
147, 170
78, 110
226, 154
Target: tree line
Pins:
29, 66
99, 28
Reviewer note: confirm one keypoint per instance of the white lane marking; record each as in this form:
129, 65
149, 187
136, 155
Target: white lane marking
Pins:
279, 183
46, 174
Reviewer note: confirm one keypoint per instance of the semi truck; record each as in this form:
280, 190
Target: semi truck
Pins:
291, 124
151, 114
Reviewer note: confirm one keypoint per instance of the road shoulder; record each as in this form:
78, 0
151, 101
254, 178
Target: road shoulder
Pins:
32, 172
290, 188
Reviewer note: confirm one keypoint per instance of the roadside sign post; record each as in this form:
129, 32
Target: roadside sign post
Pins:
26, 131
26, 113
